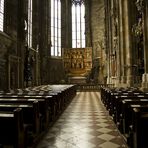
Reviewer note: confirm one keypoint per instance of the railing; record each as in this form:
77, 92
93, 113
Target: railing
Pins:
92, 87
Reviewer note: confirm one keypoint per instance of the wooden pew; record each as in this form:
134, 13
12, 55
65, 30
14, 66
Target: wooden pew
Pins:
43, 106
108, 94
139, 128
30, 113
61, 96
57, 103
53, 97
46, 90
121, 104
119, 94
56, 100
117, 101
126, 113
12, 129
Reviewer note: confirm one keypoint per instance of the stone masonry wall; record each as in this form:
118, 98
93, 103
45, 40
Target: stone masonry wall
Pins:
98, 27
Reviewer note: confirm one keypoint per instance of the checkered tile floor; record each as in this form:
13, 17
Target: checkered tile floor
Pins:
84, 124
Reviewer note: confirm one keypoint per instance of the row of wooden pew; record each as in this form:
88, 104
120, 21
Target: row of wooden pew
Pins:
129, 109
26, 114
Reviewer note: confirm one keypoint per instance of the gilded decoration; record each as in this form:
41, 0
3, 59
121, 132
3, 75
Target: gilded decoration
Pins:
137, 28
77, 61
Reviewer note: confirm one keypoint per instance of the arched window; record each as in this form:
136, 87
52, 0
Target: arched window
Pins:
1, 15
55, 27
78, 23
29, 23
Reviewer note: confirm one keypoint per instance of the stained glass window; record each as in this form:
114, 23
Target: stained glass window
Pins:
29, 23
55, 28
1, 15
78, 23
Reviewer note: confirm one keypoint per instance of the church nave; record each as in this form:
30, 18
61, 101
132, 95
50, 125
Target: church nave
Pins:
84, 124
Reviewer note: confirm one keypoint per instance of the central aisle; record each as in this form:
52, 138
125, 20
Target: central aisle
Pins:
84, 124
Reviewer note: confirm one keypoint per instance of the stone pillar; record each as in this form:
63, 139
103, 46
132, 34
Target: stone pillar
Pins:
43, 39
145, 75
127, 42
121, 41
106, 39
118, 51
109, 22
112, 50
88, 24
66, 24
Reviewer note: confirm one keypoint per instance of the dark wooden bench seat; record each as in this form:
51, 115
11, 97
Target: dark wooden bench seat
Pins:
56, 100
115, 104
139, 126
129, 108
31, 113
52, 100
125, 114
108, 94
11, 128
43, 107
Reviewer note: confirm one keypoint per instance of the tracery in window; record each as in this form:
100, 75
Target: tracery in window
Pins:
78, 23
1, 15
55, 28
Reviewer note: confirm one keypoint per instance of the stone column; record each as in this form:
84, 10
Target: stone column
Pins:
121, 41
88, 24
66, 24
118, 54
109, 22
112, 43
145, 75
127, 42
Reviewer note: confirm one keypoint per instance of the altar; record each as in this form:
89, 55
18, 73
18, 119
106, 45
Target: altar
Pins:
77, 63
77, 80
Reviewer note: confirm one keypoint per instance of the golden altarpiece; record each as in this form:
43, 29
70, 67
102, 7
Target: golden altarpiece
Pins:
77, 63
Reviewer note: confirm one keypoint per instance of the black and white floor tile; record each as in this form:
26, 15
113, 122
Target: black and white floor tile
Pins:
84, 124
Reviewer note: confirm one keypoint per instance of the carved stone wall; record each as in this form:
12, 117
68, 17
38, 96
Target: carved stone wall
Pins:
4, 45
126, 41
57, 73
115, 58
13, 44
98, 33
8, 42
